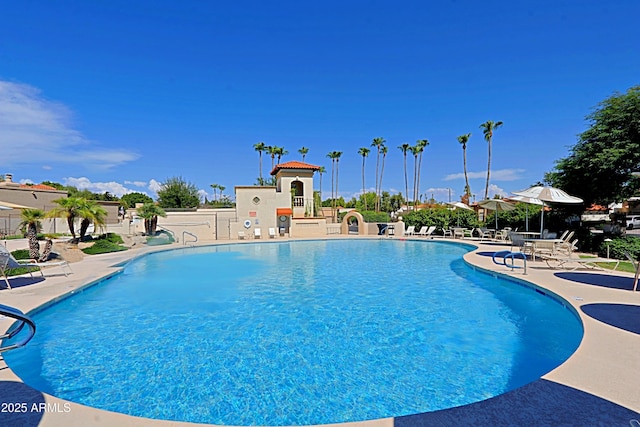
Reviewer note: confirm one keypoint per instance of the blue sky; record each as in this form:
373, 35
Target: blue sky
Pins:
119, 96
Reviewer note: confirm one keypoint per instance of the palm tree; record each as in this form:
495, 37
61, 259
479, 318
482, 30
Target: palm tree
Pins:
272, 151
334, 156
364, 152
488, 128
31, 221
463, 139
337, 155
384, 151
67, 208
150, 213
421, 144
303, 151
216, 186
280, 151
415, 150
221, 188
260, 147
378, 143
321, 171
91, 212
404, 148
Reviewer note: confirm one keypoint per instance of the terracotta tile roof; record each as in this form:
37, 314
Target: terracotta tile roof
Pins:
294, 165
39, 187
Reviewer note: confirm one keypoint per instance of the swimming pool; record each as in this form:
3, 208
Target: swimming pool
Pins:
296, 333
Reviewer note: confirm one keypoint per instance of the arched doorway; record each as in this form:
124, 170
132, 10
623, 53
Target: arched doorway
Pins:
358, 218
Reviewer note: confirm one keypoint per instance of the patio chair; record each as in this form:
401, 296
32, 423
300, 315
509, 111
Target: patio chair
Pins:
427, 231
257, 233
7, 261
410, 231
559, 261
272, 232
241, 235
485, 234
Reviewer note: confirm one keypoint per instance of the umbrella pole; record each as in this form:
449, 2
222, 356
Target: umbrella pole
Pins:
526, 215
542, 221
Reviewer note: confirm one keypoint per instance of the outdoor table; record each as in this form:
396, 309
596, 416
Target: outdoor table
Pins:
540, 245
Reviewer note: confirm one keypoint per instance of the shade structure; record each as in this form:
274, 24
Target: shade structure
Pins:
459, 205
548, 194
496, 205
528, 201
9, 205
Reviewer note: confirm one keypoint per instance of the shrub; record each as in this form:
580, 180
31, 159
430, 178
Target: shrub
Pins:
618, 246
373, 216
112, 237
103, 247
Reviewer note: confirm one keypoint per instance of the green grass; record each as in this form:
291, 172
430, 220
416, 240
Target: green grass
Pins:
624, 266
21, 254
103, 247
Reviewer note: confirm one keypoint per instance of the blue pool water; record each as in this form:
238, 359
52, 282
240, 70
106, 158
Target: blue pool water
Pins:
296, 333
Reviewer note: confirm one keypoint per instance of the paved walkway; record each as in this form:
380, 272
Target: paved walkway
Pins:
598, 385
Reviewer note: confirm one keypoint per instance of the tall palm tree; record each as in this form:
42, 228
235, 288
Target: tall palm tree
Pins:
464, 139
364, 152
216, 186
67, 208
488, 128
150, 213
280, 151
31, 221
384, 150
321, 171
415, 150
221, 188
378, 143
337, 155
260, 148
422, 144
404, 148
303, 151
91, 212
335, 158
272, 151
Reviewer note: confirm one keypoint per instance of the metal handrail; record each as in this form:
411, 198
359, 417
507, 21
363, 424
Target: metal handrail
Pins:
22, 318
184, 242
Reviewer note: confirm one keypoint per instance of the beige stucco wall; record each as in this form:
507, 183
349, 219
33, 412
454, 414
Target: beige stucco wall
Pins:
258, 213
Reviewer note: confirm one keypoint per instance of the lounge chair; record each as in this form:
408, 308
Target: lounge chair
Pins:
257, 233
559, 261
410, 231
272, 232
426, 231
485, 234
7, 261
241, 235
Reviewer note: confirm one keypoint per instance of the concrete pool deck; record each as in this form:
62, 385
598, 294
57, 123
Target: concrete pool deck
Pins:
598, 385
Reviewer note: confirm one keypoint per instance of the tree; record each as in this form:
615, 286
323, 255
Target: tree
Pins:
272, 151
464, 139
303, 151
215, 187
335, 158
280, 151
488, 128
129, 200
421, 144
321, 171
91, 212
150, 213
67, 208
415, 150
31, 221
404, 148
378, 143
178, 193
600, 166
384, 151
364, 152
221, 188
260, 148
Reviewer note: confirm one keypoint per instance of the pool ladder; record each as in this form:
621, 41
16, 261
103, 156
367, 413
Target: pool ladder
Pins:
22, 319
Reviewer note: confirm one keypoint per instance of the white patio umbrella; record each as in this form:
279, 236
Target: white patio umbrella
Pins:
459, 205
548, 194
528, 201
496, 205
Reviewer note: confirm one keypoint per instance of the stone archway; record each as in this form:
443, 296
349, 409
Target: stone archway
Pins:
362, 226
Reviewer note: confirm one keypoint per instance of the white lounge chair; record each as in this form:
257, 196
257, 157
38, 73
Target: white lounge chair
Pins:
410, 231
7, 261
560, 262
272, 232
241, 235
257, 233
426, 231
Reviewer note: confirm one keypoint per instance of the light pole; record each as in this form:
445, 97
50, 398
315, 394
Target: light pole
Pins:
608, 240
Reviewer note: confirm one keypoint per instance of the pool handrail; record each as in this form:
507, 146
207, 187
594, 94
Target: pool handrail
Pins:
14, 313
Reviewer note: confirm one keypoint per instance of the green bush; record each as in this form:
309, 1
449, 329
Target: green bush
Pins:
21, 254
112, 237
618, 246
103, 247
373, 216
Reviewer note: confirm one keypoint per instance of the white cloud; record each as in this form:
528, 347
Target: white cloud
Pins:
497, 175
137, 183
36, 130
494, 189
84, 183
154, 185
